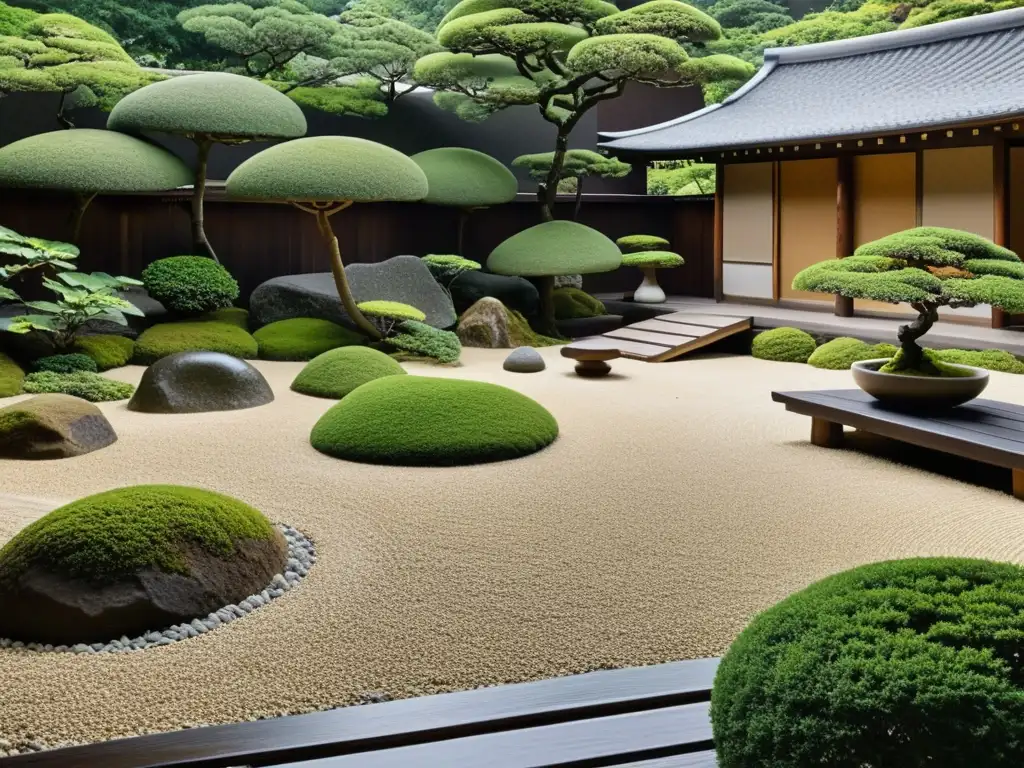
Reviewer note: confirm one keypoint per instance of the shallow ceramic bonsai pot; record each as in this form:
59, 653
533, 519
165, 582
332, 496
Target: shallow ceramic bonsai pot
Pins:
918, 392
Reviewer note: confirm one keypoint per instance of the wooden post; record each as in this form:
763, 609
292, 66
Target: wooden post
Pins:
1018, 483
827, 434
1001, 228
719, 227
844, 224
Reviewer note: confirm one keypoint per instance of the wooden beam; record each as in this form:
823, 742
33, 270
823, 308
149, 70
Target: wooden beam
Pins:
844, 224
1001, 230
776, 242
719, 228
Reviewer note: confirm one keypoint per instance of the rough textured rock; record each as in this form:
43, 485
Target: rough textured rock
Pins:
516, 293
589, 326
405, 279
53, 427
194, 382
485, 324
524, 360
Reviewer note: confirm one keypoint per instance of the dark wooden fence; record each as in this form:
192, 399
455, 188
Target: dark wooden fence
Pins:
122, 234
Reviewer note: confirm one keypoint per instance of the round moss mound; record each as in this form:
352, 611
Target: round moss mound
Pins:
167, 338
190, 285
302, 338
88, 160
655, 259
326, 169
555, 248
426, 421
465, 178
902, 663
990, 359
393, 310
784, 345
84, 384
839, 354
572, 303
641, 243
213, 104
107, 350
336, 373
233, 315
11, 376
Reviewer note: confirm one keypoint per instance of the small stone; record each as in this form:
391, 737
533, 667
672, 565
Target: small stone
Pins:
225, 615
276, 593
524, 360
153, 637
256, 601
97, 647
163, 641
5, 642
291, 576
48, 647
109, 648
81, 648
238, 611
293, 563
198, 626
280, 582
61, 649
171, 635
17, 644
265, 594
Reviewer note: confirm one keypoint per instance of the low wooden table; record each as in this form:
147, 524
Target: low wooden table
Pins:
983, 430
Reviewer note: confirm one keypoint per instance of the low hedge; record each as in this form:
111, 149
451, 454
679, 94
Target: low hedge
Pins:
84, 384
189, 336
990, 359
839, 354
339, 371
190, 285
108, 351
11, 376
303, 338
75, 361
573, 303
785, 345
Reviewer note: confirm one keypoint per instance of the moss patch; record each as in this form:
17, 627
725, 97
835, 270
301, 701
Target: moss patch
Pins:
573, 303
303, 338
337, 372
11, 376
555, 248
839, 354
167, 338
394, 310
656, 259
641, 243
416, 340
989, 359
84, 384
785, 345
233, 315
423, 421
465, 178
932, 365
522, 335
108, 351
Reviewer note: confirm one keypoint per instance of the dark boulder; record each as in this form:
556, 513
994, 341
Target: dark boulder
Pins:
579, 327
53, 426
195, 382
153, 312
516, 293
635, 311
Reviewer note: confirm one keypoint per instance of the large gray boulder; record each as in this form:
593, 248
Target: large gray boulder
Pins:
197, 382
401, 278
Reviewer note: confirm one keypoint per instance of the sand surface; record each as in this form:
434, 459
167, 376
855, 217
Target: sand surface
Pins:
677, 502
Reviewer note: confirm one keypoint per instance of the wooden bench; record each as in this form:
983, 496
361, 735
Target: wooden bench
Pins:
983, 430
642, 717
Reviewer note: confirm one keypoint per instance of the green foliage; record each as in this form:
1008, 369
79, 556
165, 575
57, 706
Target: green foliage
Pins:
111, 535
522, 335
84, 384
445, 268
642, 243
465, 178
572, 303
233, 315
107, 350
762, 15
555, 248
415, 340
302, 338
11, 376
930, 364
335, 373
326, 169
68, 363
655, 259
167, 338
418, 420
870, 19
391, 310
190, 285
839, 354
948, 10
31, 253
784, 345
422, 14
680, 177
665, 18
634, 55
361, 98
578, 164
990, 359
902, 663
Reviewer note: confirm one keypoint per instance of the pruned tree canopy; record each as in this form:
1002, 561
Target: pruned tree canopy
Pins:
555, 248
465, 178
579, 163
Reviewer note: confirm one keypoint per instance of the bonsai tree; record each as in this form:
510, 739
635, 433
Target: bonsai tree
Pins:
647, 253
554, 248
323, 176
928, 268
87, 162
578, 165
211, 108
467, 180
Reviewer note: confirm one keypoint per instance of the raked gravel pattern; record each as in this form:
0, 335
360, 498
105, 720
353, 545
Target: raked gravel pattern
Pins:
678, 501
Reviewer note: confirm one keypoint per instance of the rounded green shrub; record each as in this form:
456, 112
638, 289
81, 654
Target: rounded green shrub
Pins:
233, 315
990, 359
784, 345
641, 243
425, 421
302, 338
167, 338
901, 663
572, 303
109, 351
121, 532
11, 376
553, 249
190, 285
465, 178
391, 310
653, 259
84, 384
66, 363
416, 340
337, 372
839, 354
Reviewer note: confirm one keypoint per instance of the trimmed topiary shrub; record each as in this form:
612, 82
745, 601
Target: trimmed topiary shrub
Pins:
391, 310
190, 285
572, 303
641, 243
303, 338
108, 351
84, 384
653, 260
336, 373
839, 354
902, 663
784, 345
425, 421
990, 359
416, 340
233, 315
465, 178
11, 376
66, 363
167, 338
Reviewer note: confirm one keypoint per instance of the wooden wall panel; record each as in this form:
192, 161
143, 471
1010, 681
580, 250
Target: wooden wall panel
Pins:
807, 220
750, 281
1017, 199
748, 211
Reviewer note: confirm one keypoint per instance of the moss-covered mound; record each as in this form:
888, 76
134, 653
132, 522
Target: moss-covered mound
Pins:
990, 359
107, 350
212, 103
391, 310
303, 338
653, 260
84, 384
11, 376
641, 243
336, 373
190, 285
75, 361
839, 354
424, 421
903, 663
416, 341
53, 426
555, 248
785, 345
573, 303
465, 178
233, 315
195, 335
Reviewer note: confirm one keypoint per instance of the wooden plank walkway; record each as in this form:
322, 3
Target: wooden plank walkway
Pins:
668, 336
643, 717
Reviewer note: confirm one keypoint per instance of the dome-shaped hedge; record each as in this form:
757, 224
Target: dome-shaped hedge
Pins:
784, 345
337, 372
465, 178
166, 339
903, 663
840, 354
424, 421
190, 285
302, 338
555, 248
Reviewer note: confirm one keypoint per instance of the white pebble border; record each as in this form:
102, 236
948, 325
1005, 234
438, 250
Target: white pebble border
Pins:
301, 557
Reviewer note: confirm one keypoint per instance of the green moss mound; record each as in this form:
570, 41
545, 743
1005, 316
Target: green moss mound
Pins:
233, 315
642, 243
339, 371
784, 345
393, 310
11, 376
120, 532
167, 338
465, 178
212, 103
522, 335
572, 303
423, 421
555, 248
903, 663
190, 285
989, 359
84, 384
931, 365
108, 351
302, 338
66, 363
655, 259
839, 354
88, 160
416, 341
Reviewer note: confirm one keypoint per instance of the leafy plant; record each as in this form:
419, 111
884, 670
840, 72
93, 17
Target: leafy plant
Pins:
76, 361
419, 340
34, 253
84, 384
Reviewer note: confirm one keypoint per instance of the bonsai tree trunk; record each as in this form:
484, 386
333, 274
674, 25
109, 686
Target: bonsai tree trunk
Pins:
463, 218
199, 241
913, 355
579, 198
82, 201
546, 323
548, 189
338, 270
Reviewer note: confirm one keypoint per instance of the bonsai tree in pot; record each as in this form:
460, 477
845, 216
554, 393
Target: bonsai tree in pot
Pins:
648, 253
323, 176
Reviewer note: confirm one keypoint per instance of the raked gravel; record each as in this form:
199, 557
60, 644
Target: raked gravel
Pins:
678, 501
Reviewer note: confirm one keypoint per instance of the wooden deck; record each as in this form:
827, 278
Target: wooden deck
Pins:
669, 336
642, 717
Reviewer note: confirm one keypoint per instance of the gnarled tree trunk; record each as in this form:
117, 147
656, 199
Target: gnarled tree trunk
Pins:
913, 354
199, 241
